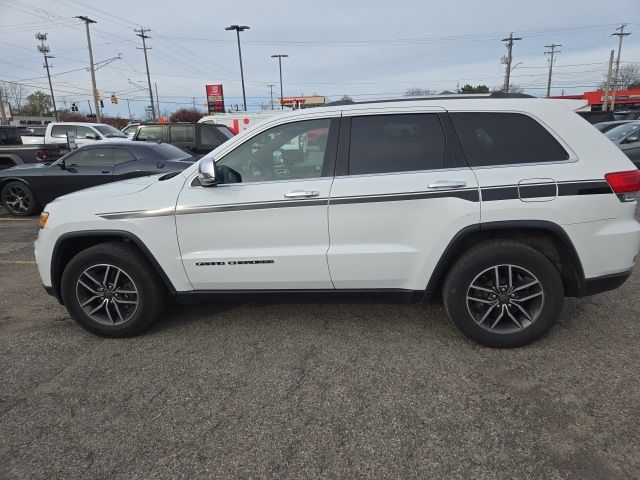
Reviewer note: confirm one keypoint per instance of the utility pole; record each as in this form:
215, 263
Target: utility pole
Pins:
194, 102
44, 50
238, 29
142, 34
129, 108
87, 21
607, 86
280, 57
507, 74
3, 118
620, 34
551, 54
157, 99
271, 86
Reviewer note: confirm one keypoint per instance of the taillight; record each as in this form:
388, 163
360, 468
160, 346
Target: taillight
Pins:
624, 184
42, 154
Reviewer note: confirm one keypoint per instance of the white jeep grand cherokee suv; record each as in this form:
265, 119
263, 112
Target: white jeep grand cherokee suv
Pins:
501, 205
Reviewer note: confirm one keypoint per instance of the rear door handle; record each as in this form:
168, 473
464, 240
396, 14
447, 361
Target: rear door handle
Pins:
106, 171
444, 184
302, 194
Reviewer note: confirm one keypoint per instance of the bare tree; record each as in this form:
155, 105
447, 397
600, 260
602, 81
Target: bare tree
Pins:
15, 95
346, 98
512, 89
418, 92
628, 77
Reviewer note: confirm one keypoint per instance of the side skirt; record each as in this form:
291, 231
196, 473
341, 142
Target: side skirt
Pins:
293, 296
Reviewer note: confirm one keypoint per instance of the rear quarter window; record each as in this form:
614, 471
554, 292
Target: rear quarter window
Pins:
505, 139
60, 131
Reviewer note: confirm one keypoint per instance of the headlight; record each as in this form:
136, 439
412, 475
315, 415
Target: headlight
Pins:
44, 216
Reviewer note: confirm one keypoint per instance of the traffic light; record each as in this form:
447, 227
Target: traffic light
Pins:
114, 99
101, 104
74, 107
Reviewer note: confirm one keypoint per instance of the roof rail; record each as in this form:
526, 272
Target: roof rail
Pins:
457, 96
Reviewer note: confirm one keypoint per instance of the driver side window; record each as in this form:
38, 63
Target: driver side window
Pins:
287, 152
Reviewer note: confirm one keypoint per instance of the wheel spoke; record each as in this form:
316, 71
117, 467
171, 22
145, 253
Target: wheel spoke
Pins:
129, 302
497, 277
91, 299
524, 299
486, 314
483, 289
106, 276
481, 300
115, 304
80, 282
510, 277
513, 319
524, 312
106, 307
100, 305
126, 292
86, 273
115, 280
526, 285
497, 319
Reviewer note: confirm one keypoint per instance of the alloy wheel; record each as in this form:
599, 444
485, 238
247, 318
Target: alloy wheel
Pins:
16, 199
107, 294
505, 299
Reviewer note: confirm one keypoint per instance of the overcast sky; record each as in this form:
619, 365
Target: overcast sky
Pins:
366, 49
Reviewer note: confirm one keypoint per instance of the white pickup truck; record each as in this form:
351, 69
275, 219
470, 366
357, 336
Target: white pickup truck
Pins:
84, 132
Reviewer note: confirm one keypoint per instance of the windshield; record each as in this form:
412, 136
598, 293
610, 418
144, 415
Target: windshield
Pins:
109, 132
622, 131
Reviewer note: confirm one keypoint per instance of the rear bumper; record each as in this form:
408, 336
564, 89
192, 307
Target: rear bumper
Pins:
592, 286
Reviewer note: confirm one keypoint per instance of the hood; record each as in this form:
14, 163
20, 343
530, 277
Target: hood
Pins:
115, 189
22, 169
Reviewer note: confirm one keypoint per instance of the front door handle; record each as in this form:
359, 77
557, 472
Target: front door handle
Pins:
106, 171
302, 194
444, 184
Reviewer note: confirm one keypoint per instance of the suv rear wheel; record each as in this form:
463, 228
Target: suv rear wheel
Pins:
110, 289
503, 294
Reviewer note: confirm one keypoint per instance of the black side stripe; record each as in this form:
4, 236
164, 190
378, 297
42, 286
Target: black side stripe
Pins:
468, 194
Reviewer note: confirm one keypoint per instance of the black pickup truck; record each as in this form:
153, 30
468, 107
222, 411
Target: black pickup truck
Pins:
197, 138
13, 152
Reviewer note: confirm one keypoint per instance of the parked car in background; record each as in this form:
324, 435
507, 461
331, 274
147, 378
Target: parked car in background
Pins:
606, 126
627, 115
627, 138
14, 152
85, 133
239, 121
32, 135
25, 189
130, 130
198, 138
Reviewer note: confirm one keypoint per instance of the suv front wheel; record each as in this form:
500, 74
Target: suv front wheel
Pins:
502, 293
110, 289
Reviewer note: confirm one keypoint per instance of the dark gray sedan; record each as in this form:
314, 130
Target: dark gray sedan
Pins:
25, 189
627, 138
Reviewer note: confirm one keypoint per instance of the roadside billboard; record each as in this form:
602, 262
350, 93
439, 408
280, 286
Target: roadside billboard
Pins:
215, 99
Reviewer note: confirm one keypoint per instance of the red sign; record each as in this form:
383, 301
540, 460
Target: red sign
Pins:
215, 99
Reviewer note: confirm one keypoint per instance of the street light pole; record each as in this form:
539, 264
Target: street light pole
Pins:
280, 56
238, 29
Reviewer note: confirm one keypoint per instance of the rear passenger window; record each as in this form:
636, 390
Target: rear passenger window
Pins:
396, 143
60, 131
181, 133
120, 155
505, 139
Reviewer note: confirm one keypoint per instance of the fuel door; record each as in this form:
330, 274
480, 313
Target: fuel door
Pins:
537, 189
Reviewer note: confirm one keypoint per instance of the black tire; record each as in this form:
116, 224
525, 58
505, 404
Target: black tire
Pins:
475, 266
150, 291
21, 193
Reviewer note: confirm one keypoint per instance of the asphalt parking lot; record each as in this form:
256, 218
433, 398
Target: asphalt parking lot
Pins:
313, 390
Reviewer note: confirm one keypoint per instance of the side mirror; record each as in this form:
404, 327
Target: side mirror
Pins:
91, 136
207, 172
632, 139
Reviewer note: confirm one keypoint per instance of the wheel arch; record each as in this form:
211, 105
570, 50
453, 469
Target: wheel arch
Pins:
70, 244
548, 238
